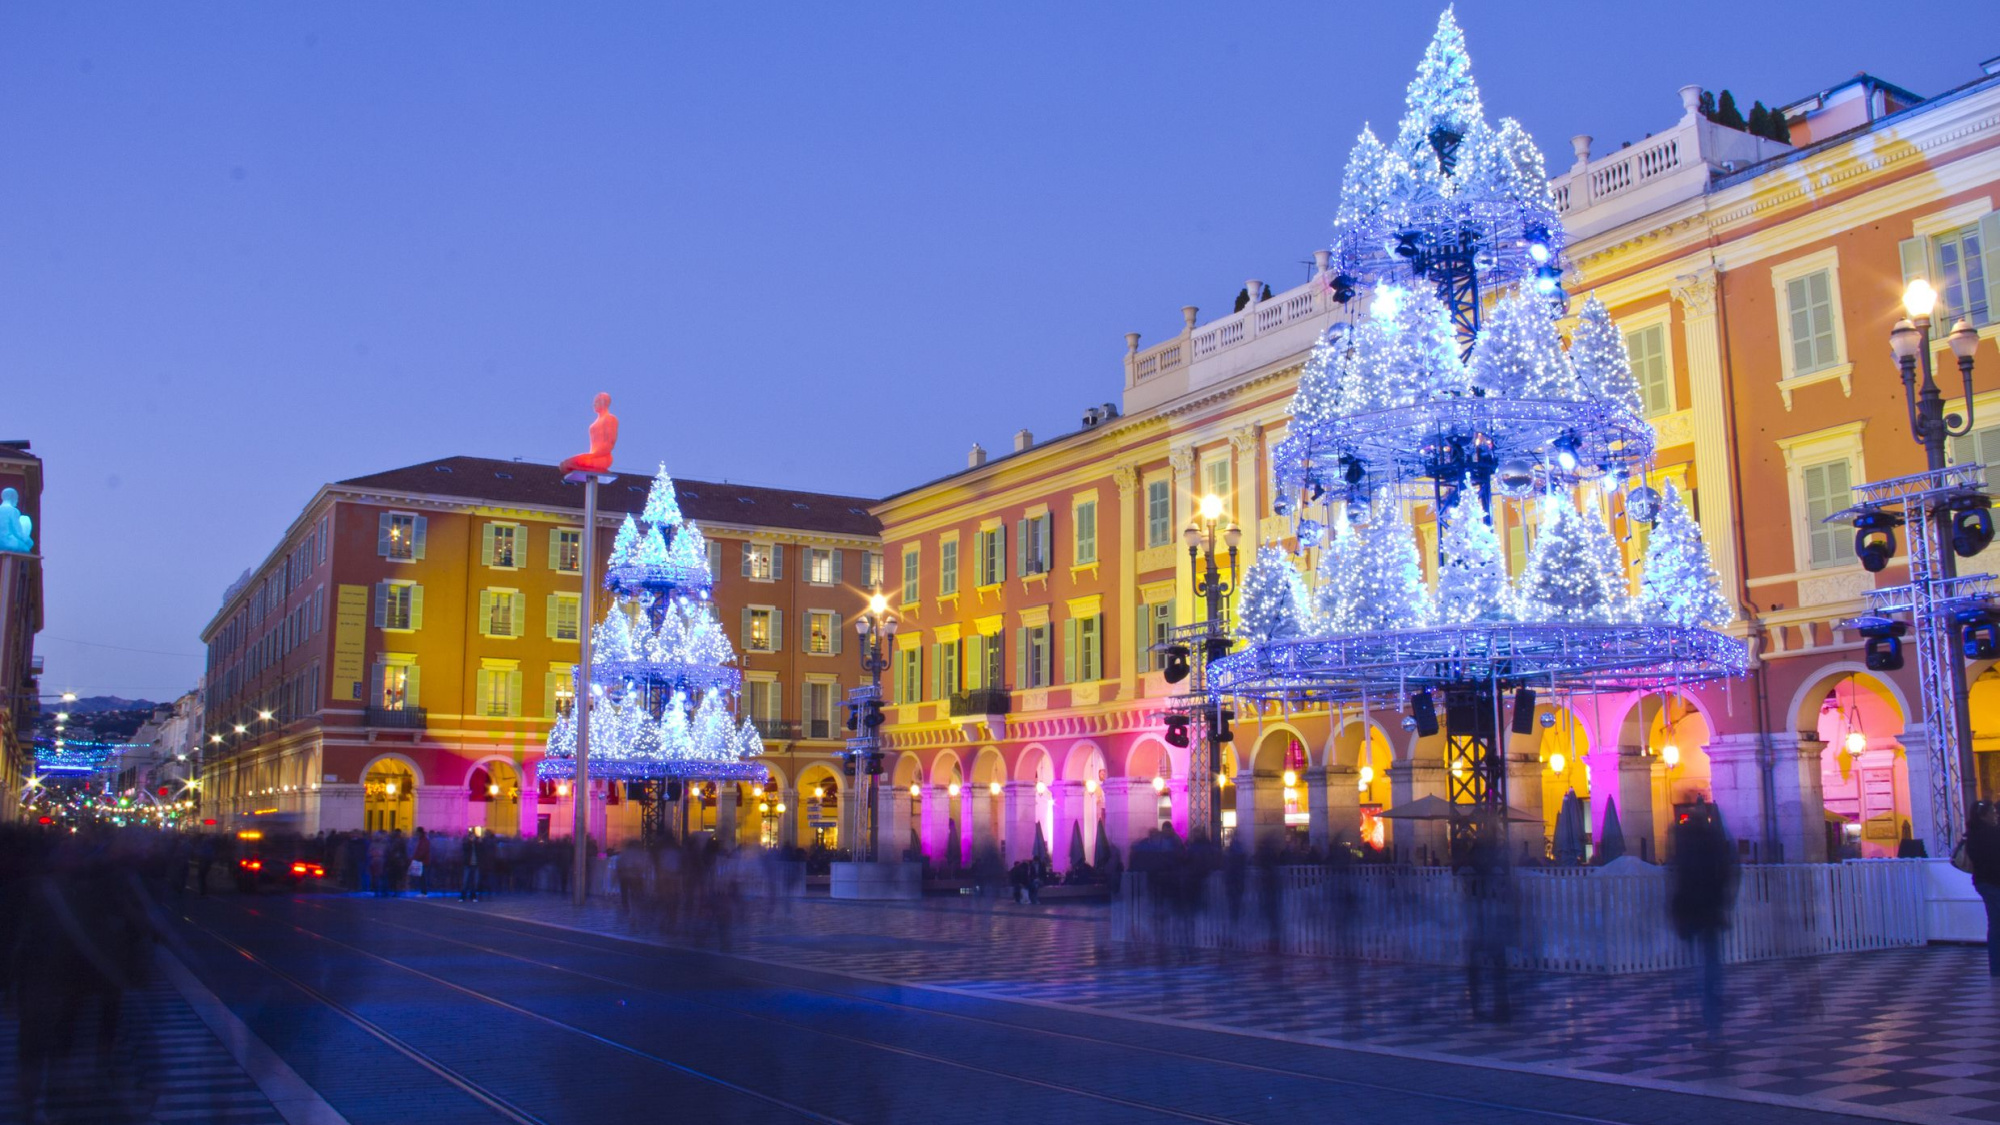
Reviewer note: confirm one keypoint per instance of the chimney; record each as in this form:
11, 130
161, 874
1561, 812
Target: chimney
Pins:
977, 457
1022, 440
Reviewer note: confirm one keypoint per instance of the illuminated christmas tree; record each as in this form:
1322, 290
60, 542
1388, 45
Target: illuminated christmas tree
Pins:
1677, 582
1333, 586
1442, 107
1603, 368
1472, 579
1519, 354
1387, 589
1271, 598
1573, 575
1418, 359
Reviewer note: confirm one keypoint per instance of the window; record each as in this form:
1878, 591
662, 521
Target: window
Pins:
763, 629
996, 661
1962, 282
947, 567
497, 547
565, 613
395, 685
1982, 447
400, 536
910, 675
944, 669
561, 689
1086, 533
1159, 512
912, 561
1083, 649
1033, 657
760, 701
399, 605
1217, 473
989, 559
763, 562
873, 567
1827, 491
502, 612
1156, 621
819, 709
1809, 319
497, 691
566, 550
1034, 545
822, 566
822, 632
1647, 350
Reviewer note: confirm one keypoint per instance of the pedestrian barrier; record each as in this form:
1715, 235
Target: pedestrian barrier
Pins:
1589, 920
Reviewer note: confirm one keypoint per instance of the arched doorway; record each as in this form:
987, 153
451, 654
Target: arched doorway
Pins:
1564, 751
1083, 798
1864, 775
1362, 742
1984, 698
987, 810
495, 786
1164, 803
389, 796
819, 823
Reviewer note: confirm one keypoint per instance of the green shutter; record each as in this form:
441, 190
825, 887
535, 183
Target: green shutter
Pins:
1070, 662
1021, 646
485, 613
1097, 647
1021, 547
514, 694
479, 691
520, 622
381, 605
746, 558
836, 553
549, 612
777, 630
375, 686
746, 631
486, 534
382, 536
1915, 256
411, 698
837, 631
417, 538
416, 607
999, 564
777, 561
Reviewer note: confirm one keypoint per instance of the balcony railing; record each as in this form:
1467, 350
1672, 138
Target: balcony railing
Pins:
990, 701
400, 718
776, 730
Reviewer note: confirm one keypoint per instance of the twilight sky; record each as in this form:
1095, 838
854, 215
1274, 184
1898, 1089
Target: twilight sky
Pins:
248, 248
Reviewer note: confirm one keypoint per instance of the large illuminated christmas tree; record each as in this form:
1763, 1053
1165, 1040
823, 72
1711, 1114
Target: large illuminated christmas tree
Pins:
1677, 581
663, 675
1574, 575
1472, 578
1271, 599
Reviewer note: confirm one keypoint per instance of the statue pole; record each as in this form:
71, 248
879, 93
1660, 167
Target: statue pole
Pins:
587, 615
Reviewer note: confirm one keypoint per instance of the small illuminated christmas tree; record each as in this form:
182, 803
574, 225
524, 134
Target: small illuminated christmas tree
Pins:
1318, 394
1271, 599
1388, 590
1573, 574
1371, 181
1441, 102
1472, 579
1677, 582
1418, 358
1333, 588
1603, 368
1520, 355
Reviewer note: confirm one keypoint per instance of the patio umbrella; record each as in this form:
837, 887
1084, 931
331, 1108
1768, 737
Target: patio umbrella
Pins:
1613, 844
916, 844
1569, 830
951, 848
1041, 853
1076, 856
1105, 851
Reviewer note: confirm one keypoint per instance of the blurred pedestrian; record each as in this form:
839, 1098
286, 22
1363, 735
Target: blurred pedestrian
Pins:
1704, 889
469, 863
420, 864
1982, 848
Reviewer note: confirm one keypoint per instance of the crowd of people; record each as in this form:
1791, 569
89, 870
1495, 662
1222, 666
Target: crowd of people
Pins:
471, 864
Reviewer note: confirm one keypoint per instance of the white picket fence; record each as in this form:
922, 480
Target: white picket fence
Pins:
1568, 919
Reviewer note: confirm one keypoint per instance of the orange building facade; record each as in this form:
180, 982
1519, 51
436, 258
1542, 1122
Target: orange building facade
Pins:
1755, 283
397, 660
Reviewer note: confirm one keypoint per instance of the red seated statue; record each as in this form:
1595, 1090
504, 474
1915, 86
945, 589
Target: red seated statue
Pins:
603, 435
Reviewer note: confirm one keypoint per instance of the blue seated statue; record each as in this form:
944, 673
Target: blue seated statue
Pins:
17, 532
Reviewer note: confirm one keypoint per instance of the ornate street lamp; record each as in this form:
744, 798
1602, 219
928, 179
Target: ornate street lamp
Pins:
1204, 563
877, 630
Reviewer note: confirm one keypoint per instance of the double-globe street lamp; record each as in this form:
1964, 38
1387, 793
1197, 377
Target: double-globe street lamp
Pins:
877, 630
1932, 427
1205, 779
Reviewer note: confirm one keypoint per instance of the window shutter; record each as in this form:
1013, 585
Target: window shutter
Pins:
1097, 647
836, 553
746, 631
416, 607
410, 697
777, 630
514, 694
937, 661
835, 626
382, 536
714, 559
486, 545
777, 561
520, 622
1989, 254
1045, 540
375, 686
806, 631
555, 548
971, 660
1020, 658
1915, 254
549, 626
746, 558
1021, 547
1070, 663
1140, 640
381, 605
485, 613
999, 563
417, 538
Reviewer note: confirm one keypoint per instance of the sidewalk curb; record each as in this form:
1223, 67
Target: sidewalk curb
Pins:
295, 1101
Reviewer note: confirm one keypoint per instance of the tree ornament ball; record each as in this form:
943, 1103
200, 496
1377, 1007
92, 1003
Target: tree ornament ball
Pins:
1282, 506
1516, 477
1311, 534
1357, 511
1409, 722
1643, 504
1548, 718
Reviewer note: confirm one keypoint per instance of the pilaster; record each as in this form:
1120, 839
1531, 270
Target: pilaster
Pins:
1702, 333
1131, 533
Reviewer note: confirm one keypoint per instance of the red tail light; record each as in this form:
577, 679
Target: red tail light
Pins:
298, 868
251, 864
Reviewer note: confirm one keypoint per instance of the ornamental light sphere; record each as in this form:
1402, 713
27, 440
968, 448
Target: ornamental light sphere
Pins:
1548, 719
1516, 477
1642, 503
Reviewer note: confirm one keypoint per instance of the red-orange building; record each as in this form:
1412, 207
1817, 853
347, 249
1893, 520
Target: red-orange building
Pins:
20, 620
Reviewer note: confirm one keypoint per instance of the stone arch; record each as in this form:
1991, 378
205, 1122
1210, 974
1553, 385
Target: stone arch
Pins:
1267, 755
1806, 702
1859, 718
989, 766
909, 769
1034, 764
946, 768
1077, 764
389, 784
495, 785
815, 780
1145, 755
408, 762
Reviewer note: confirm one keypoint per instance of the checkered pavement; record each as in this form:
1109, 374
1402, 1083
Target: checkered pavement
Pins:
1907, 1034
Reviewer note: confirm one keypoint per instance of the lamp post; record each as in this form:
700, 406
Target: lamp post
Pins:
1931, 427
1204, 791
877, 630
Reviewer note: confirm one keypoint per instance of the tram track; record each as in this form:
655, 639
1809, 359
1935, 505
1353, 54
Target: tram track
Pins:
608, 945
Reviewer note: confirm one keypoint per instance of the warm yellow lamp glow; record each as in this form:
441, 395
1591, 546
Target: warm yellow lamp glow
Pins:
492, 789
953, 789
1159, 785
389, 788
1291, 778
1919, 299
877, 604
1367, 776
1211, 507
916, 790
1671, 755
1856, 742
1090, 785
562, 788
1557, 763
993, 787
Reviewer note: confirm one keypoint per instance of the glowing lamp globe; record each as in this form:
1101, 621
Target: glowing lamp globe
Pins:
1671, 755
1291, 778
1557, 763
1856, 742
953, 789
993, 787
916, 790
1159, 785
